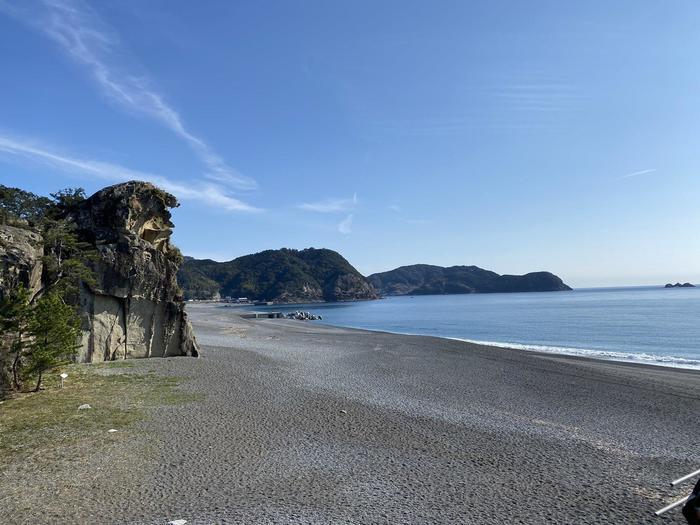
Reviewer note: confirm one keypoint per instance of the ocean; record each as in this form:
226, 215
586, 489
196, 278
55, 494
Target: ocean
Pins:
639, 324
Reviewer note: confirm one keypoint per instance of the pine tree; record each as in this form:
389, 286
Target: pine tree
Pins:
66, 260
15, 317
55, 329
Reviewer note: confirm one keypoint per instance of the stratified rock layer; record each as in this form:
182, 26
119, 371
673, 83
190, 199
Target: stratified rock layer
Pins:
135, 308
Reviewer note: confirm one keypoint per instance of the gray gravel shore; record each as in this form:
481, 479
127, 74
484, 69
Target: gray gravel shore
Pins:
303, 423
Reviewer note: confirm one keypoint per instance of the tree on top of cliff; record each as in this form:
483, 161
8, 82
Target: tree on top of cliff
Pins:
65, 257
66, 199
22, 208
66, 261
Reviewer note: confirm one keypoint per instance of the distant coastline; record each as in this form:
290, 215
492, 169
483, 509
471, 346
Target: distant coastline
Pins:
312, 275
586, 322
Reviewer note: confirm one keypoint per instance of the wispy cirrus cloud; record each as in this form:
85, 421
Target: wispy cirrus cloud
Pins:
208, 193
79, 32
636, 173
330, 205
334, 205
345, 226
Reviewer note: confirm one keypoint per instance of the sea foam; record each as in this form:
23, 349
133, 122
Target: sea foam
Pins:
630, 357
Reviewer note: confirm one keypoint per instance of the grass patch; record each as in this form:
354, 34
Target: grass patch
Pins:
36, 423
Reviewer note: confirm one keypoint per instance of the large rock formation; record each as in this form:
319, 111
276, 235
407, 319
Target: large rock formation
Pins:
135, 308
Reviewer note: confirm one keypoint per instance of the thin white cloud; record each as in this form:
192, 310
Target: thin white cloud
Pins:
330, 205
207, 193
636, 173
419, 221
345, 226
395, 208
80, 32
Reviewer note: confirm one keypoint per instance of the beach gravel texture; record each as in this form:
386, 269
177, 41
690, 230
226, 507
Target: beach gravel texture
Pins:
301, 423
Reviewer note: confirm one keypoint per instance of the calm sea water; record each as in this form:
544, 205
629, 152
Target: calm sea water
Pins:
643, 324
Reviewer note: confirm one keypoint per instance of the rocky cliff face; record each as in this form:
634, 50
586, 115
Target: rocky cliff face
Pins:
21, 251
135, 309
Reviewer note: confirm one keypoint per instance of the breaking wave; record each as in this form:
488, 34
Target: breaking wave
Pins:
630, 357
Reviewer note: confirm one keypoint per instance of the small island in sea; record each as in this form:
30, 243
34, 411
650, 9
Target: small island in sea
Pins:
679, 285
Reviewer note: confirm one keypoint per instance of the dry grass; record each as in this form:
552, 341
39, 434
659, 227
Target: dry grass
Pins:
35, 424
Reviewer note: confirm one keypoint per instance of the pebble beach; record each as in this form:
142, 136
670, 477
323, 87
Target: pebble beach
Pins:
300, 423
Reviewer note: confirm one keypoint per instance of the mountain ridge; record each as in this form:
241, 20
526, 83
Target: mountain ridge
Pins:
284, 275
427, 279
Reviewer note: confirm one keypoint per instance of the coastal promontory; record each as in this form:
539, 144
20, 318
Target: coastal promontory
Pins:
426, 279
284, 276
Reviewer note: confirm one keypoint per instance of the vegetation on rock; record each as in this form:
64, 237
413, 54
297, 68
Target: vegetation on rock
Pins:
39, 328
94, 275
425, 279
277, 275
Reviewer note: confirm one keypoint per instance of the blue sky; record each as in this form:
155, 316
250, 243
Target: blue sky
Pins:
517, 136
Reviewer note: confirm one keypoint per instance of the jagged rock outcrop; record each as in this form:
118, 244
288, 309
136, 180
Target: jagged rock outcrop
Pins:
21, 252
135, 308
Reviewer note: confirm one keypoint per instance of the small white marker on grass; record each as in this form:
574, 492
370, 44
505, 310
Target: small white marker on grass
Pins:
63, 376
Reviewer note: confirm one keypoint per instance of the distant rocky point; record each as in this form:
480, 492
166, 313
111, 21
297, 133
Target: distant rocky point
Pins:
679, 285
425, 279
